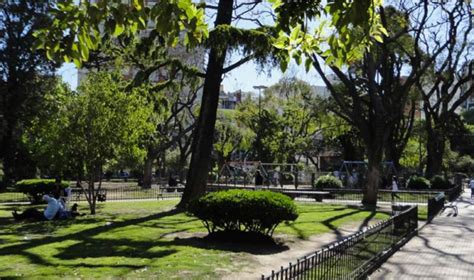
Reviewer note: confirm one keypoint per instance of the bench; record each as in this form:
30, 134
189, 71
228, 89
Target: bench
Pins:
317, 195
76, 194
451, 205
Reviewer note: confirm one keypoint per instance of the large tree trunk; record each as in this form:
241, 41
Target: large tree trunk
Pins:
435, 145
204, 131
375, 153
147, 172
91, 195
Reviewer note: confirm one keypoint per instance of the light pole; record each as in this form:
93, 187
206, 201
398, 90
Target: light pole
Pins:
420, 168
259, 88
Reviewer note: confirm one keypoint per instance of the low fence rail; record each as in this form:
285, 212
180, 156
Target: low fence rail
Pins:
121, 193
135, 192
402, 196
357, 255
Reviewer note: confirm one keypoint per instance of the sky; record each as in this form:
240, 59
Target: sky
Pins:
243, 78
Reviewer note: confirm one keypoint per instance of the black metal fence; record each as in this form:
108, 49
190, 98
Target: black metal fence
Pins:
120, 193
435, 205
131, 193
402, 196
357, 255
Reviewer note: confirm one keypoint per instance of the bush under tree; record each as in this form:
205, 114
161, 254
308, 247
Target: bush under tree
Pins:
36, 188
328, 182
244, 210
440, 182
418, 183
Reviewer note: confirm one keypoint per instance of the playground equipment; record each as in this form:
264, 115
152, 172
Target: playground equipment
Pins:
353, 174
274, 174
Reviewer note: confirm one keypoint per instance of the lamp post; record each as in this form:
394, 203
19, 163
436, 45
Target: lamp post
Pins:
259, 88
420, 168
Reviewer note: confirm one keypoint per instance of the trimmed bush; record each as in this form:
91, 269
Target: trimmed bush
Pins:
36, 188
328, 182
418, 183
244, 210
439, 182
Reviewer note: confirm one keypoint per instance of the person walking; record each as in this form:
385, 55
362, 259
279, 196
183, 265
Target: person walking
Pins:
471, 185
394, 188
258, 180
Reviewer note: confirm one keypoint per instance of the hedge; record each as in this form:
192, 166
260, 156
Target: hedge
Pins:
36, 188
244, 210
328, 182
418, 183
440, 182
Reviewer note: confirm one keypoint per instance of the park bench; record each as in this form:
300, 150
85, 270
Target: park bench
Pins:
77, 193
451, 205
317, 195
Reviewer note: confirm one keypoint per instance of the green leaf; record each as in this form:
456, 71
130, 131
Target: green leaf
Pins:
377, 38
84, 51
48, 54
137, 4
295, 32
307, 64
119, 28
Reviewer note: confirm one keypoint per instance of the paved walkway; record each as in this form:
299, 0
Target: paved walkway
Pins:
443, 249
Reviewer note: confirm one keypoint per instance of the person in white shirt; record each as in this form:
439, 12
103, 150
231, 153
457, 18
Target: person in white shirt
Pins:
471, 185
48, 214
394, 188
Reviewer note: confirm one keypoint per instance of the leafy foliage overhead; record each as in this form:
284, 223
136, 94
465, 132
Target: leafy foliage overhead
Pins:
78, 29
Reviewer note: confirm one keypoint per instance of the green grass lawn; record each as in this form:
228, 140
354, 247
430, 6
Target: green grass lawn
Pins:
146, 239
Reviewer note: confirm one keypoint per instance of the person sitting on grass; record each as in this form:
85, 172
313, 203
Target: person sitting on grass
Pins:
64, 214
53, 211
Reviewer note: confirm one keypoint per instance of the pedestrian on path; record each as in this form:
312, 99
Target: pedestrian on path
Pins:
394, 188
471, 185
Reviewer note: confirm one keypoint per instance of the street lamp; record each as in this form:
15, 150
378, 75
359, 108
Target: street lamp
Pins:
259, 88
420, 156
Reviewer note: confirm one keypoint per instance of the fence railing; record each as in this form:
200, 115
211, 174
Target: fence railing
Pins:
357, 255
402, 196
120, 193
130, 193
435, 205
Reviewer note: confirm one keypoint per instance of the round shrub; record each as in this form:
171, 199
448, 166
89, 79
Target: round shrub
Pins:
328, 182
244, 210
418, 183
440, 183
36, 188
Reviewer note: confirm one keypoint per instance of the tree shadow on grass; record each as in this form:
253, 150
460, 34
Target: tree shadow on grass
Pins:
22, 249
255, 248
329, 222
102, 248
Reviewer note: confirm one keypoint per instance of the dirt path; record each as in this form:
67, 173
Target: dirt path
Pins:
265, 263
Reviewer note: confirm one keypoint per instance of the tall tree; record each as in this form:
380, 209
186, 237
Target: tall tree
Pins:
22, 83
449, 83
256, 44
285, 121
376, 86
99, 123
253, 43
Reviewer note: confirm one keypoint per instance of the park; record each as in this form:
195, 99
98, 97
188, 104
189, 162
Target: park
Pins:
236, 139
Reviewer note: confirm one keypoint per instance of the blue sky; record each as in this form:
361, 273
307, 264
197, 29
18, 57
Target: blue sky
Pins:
244, 77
